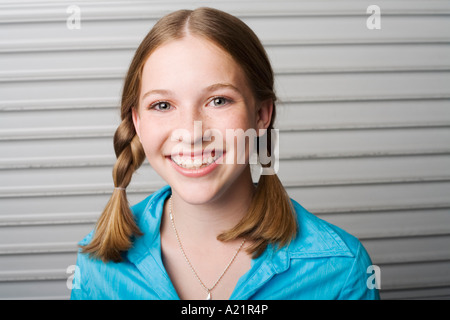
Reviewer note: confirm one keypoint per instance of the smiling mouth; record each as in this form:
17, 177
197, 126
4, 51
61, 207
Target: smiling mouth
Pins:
196, 162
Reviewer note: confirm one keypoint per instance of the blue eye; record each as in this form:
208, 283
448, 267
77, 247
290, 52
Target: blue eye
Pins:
219, 102
161, 106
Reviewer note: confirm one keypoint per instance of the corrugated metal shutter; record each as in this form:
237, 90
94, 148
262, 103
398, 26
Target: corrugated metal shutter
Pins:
364, 122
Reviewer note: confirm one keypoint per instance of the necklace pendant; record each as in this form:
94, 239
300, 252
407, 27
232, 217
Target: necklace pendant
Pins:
209, 296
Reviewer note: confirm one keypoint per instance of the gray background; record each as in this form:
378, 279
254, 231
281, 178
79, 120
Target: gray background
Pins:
364, 128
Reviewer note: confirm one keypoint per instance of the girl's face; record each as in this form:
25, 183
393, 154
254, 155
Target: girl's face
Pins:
192, 95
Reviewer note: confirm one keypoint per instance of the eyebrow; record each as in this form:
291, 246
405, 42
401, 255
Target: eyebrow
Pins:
217, 86
156, 91
210, 88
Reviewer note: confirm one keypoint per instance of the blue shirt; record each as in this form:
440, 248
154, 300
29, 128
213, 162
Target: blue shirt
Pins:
322, 262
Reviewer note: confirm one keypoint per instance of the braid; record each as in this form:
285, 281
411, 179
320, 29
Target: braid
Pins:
116, 225
129, 153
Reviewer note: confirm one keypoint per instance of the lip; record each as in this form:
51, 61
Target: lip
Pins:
195, 173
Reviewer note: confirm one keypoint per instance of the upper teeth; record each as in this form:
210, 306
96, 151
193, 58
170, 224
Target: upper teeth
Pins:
195, 163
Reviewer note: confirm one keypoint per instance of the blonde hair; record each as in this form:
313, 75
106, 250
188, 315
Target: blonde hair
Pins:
271, 217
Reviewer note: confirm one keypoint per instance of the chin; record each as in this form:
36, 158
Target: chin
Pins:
196, 193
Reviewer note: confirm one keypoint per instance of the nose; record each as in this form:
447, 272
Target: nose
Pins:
190, 128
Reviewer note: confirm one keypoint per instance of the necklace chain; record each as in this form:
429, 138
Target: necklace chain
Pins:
172, 219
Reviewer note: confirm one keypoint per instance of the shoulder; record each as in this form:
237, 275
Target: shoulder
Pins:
145, 213
98, 279
318, 237
345, 261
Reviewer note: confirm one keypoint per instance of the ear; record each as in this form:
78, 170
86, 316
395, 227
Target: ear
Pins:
136, 121
264, 114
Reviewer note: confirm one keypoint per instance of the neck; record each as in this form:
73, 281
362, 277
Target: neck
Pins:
199, 223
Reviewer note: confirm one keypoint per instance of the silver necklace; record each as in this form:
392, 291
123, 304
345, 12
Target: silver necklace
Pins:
208, 290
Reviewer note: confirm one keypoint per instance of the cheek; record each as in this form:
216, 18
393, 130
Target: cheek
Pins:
151, 139
240, 119
239, 133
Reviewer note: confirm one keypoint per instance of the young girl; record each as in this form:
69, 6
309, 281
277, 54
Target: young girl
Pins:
211, 233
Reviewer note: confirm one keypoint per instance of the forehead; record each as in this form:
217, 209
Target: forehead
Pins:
190, 61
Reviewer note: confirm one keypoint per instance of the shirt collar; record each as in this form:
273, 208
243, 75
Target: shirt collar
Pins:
148, 218
315, 238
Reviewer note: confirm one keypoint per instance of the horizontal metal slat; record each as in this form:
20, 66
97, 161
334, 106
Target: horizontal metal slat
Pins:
95, 10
